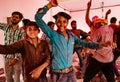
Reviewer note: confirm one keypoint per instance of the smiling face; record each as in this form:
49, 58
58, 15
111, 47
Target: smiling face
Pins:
62, 24
32, 32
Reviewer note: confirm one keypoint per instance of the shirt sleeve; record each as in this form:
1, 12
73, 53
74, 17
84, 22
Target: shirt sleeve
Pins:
44, 27
15, 47
86, 44
3, 26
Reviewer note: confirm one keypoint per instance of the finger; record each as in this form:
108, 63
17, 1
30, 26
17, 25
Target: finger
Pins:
31, 72
32, 76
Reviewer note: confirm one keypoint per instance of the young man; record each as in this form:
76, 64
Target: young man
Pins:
35, 54
62, 42
101, 59
116, 39
12, 34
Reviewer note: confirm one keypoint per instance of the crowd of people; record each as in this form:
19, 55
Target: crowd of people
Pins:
32, 56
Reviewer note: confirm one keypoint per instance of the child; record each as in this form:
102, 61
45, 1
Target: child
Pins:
35, 54
62, 42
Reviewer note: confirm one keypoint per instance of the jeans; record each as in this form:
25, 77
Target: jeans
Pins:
13, 72
43, 79
63, 77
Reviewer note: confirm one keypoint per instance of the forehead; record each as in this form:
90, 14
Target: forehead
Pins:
32, 27
61, 18
15, 15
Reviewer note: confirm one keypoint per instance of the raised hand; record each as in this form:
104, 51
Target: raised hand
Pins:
89, 3
54, 3
108, 12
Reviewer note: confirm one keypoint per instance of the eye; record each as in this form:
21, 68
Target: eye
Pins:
65, 21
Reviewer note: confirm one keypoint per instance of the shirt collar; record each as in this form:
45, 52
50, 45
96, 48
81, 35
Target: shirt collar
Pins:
29, 40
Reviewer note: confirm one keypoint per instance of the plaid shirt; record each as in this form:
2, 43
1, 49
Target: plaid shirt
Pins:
11, 36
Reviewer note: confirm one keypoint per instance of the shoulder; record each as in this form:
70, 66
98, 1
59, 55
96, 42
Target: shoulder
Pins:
70, 32
44, 42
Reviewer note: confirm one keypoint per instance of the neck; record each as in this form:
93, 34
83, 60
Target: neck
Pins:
14, 27
35, 41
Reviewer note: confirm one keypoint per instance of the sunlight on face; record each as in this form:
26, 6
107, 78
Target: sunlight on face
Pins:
62, 23
32, 32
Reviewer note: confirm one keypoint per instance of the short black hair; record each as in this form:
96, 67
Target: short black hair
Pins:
25, 21
18, 13
74, 21
50, 23
113, 20
67, 16
32, 23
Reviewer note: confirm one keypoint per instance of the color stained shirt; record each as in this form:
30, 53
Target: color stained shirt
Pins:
62, 50
103, 34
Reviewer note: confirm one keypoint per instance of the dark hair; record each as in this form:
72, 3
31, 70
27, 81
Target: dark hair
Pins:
113, 20
18, 13
25, 21
73, 22
50, 23
32, 23
67, 16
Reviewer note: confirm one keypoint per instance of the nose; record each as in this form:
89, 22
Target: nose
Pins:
61, 24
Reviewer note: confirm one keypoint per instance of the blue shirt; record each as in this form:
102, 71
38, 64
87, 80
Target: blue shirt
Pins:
62, 49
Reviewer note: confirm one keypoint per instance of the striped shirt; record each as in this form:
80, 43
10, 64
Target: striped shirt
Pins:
11, 36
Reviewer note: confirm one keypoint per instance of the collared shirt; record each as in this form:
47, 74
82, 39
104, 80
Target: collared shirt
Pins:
11, 35
103, 34
62, 49
32, 56
44, 37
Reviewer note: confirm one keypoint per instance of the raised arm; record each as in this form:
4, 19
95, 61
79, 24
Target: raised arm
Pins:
4, 26
107, 13
40, 13
87, 18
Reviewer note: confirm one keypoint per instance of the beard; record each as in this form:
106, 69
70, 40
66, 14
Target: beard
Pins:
14, 23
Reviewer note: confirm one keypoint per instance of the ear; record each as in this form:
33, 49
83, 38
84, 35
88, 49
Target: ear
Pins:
39, 30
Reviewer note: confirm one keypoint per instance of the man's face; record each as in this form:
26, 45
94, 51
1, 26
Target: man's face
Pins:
73, 25
15, 19
32, 32
97, 23
62, 23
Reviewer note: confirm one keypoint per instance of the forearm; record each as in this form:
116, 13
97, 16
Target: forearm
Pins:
3, 26
86, 44
41, 23
87, 18
44, 65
